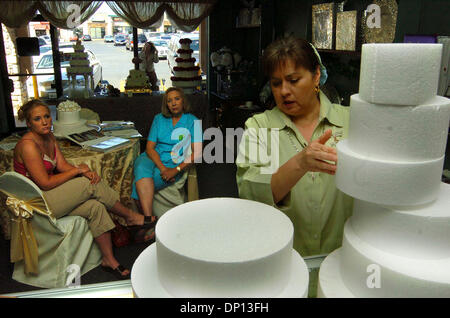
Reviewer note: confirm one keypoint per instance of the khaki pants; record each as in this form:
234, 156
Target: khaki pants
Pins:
79, 197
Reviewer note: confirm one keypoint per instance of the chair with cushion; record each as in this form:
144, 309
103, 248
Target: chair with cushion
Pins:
46, 252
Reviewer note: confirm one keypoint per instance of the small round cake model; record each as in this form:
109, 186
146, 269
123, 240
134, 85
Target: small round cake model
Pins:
79, 65
68, 117
397, 242
221, 247
186, 73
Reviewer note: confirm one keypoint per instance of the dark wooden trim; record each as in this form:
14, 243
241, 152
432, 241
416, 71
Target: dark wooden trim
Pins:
56, 61
135, 47
5, 85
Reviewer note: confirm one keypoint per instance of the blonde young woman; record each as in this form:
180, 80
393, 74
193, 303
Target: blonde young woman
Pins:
163, 163
69, 189
309, 126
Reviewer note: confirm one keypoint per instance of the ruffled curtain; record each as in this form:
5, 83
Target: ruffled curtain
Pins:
186, 16
62, 14
16, 14
139, 14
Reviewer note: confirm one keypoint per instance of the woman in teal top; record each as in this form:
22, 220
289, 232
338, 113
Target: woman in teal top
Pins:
174, 141
297, 174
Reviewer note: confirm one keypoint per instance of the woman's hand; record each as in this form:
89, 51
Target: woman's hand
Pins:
93, 176
313, 158
168, 174
86, 172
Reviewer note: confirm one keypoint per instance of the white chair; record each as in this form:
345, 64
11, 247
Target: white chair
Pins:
46, 252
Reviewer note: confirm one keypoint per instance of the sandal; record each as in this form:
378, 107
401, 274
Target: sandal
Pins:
118, 271
139, 236
148, 223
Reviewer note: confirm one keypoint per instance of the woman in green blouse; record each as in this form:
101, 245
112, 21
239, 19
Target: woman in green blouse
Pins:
299, 136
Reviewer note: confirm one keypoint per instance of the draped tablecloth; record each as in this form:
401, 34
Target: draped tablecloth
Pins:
115, 166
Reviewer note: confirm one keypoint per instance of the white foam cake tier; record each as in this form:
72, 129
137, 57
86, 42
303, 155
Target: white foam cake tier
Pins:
385, 181
399, 132
146, 284
389, 252
224, 247
399, 73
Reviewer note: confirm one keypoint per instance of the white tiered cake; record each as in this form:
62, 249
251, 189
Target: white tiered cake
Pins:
79, 65
221, 247
397, 242
186, 74
137, 79
68, 118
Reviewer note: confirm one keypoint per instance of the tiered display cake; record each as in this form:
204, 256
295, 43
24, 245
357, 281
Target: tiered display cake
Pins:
397, 242
68, 117
137, 79
186, 74
79, 65
221, 247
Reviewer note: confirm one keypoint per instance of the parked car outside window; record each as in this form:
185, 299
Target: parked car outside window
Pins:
86, 37
142, 39
161, 46
108, 39
46, 38
46, 48
119, 40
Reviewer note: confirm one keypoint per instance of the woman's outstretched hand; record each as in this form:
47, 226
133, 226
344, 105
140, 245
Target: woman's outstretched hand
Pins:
314, 157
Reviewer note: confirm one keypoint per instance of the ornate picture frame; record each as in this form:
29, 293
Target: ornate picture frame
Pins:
386, 32
322, 25
346, 26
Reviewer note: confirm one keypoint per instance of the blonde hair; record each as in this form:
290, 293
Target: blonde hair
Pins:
24, 111
186, 105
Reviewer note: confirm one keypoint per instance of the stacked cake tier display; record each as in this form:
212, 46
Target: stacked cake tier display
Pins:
79, 65
221, 247
397, 242
186, 73
137, 79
